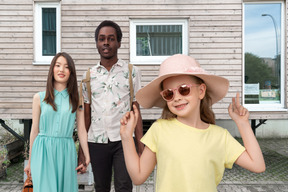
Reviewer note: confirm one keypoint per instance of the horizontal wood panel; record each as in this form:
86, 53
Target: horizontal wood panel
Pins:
19, 56
216, 40
18, 51
216, 34
208, 45
216, 29
15, 111
145, 2
155, 5
22, 12
16, 116
16, 24
22, 84
216, 51
23, 78
16, 40
21, 89
15, 95
18, 100
15, 105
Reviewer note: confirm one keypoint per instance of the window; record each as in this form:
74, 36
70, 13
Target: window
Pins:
47, 32
264, 56
151, 41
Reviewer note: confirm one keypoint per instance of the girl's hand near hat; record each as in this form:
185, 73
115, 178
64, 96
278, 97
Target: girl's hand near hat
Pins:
128, 123
237, 112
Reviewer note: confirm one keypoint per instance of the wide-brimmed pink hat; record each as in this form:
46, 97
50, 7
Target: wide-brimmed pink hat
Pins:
149, 96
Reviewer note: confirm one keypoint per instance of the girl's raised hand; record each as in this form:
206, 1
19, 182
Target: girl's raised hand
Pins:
237, 111
128, 123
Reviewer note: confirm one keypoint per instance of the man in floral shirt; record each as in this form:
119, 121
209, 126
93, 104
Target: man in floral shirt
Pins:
110, 100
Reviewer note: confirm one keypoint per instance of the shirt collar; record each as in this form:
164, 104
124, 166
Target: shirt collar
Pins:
64, 92
119, 63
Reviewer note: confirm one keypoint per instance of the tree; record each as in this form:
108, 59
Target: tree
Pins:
257, 71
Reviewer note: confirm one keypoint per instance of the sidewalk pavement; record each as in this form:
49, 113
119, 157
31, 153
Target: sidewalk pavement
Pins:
274, 179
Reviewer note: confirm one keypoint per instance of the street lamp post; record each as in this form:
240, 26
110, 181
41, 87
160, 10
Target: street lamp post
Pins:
276, 34
277, 67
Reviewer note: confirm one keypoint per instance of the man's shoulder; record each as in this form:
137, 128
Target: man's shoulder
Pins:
91, 70
122, 63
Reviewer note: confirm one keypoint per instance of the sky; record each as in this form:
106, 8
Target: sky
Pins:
260, 38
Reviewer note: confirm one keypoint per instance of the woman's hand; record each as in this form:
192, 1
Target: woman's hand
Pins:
83, 167
27, 169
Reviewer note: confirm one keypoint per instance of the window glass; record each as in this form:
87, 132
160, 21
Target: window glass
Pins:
49, 31
153, 40
262, 53
158, 40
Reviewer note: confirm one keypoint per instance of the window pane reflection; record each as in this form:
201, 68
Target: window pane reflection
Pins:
49, 31
158, 40
262, 25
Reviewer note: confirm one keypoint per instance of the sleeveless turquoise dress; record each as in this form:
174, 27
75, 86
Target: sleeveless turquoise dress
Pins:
53, 156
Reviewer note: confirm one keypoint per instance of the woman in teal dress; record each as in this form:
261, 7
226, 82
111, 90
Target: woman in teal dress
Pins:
53, 159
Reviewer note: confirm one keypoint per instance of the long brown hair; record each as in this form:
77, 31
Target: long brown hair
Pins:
206, 113
72, 86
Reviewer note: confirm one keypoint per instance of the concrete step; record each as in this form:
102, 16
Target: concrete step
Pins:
86, 181
86, 188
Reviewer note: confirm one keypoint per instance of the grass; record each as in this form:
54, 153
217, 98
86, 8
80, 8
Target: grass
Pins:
15, 171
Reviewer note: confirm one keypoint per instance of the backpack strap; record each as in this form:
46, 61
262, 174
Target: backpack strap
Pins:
130, 66
87, 81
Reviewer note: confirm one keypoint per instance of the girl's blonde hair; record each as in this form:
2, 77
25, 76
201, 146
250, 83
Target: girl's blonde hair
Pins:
206, 113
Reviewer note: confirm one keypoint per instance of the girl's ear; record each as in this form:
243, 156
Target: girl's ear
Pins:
202, 91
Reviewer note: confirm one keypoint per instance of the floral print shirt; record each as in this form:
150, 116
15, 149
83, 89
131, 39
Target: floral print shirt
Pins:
110, 99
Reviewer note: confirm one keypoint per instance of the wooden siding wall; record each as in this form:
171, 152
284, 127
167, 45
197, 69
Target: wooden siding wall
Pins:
215, 40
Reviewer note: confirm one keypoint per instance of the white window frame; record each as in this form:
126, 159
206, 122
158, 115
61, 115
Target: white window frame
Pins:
38, 58
134, 59
267, 107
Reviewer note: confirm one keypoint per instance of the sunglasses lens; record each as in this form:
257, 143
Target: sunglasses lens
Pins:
184, 90
168, 94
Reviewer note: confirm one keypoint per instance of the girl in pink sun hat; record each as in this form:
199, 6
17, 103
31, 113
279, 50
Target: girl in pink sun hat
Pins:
190, 151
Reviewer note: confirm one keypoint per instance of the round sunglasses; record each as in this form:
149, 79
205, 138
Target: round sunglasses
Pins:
184, 90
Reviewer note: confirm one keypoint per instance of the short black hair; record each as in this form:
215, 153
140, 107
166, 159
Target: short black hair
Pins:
110, 24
